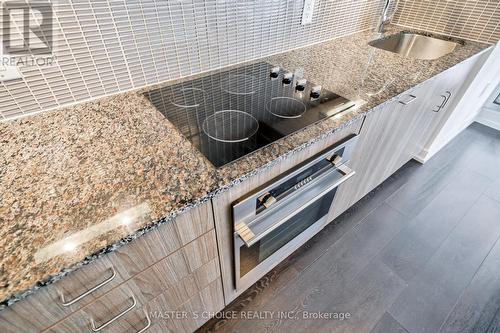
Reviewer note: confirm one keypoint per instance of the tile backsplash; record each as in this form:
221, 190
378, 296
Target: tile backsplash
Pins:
108, 46
477, 20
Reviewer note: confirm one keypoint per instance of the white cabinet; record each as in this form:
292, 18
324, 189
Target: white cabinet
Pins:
404, 129
386, 142
469, 84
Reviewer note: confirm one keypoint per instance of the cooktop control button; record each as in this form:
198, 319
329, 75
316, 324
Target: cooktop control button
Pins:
315, 92
275, 72
287, 78
301, 85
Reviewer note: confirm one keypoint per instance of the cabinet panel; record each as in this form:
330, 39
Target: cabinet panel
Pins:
452, 115
196, 311
178, 276
396, 133
159, 243
397, 144
44, 307
194, 222
171, 284
385, 144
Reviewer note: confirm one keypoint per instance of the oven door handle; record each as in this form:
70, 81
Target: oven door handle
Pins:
248, 237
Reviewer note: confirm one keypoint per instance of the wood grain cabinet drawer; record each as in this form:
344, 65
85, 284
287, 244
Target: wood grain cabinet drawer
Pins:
167, 285
120, 310
194, 312
158, 243
155, 316
183, 273
52, 303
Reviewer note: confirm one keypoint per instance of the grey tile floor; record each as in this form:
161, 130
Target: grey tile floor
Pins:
420, 253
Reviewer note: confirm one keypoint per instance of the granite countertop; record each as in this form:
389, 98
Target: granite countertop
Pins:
83, 180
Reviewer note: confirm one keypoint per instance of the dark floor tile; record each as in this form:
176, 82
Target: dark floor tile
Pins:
421, 189
478, 304
422, 307
489, 317
430, 296
424, 234
270, 286
454, 150
495, 324
477, 149
486, 159
377, 196
366, 298
334, 272
355, 249
494, 190
387, 324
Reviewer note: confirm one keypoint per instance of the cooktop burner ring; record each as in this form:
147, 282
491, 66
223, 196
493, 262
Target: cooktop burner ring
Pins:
240, 84
286, 107
230, 126
188, 97
224, 144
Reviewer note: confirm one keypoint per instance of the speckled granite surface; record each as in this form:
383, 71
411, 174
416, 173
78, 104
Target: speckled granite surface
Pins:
85, 179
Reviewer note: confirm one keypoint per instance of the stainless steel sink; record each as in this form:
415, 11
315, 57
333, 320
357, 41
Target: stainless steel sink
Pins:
415, 46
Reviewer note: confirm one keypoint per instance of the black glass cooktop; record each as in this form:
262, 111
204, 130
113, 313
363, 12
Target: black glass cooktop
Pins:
230, 114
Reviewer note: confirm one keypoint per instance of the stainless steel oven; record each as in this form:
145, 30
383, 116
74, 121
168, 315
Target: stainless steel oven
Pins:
274, 220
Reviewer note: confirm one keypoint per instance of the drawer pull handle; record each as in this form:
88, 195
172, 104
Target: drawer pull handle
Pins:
440, 106
249, 237
412, 98
148, 323
118, 316
91, 290
446, 98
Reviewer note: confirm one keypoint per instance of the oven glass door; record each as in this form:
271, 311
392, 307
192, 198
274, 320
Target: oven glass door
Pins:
251, 257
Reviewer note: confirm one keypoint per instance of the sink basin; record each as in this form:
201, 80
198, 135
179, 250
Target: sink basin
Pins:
415, 46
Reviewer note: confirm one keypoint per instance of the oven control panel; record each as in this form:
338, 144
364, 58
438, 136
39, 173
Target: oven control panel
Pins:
295, 181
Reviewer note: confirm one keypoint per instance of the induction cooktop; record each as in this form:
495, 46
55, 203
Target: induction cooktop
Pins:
232, 113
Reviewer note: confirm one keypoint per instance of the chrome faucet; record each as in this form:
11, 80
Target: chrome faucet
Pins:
384, 18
